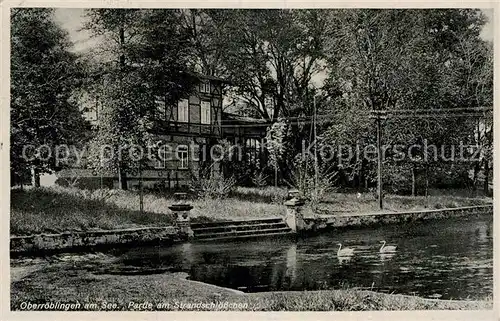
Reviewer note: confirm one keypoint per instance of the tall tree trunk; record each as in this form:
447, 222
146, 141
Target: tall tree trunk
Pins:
275, 175
477, 168
122, 176
122, 179
35, 177
361, 176
122, 43
486, 184
365, 171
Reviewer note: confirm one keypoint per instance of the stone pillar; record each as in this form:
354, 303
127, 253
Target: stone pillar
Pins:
294, 217
181, 209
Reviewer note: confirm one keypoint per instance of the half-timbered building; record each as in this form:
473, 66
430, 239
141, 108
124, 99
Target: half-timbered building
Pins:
188, 129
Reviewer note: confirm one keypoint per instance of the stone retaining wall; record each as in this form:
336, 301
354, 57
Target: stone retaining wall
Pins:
366, 220
69, 241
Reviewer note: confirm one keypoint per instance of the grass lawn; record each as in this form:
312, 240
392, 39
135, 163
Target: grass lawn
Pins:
350, 202
58, 209
69, 281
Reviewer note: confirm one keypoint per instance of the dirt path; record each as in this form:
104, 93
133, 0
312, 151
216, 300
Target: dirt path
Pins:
21, 268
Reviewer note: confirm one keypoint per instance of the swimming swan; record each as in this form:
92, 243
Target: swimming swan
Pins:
387, 249
345, 251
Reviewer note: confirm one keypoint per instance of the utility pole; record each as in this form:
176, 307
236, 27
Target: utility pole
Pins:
315, 147
141, 190
379, 115
379, 164
122, 178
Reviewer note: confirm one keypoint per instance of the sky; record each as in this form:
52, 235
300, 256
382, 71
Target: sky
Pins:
487, 33
72, 19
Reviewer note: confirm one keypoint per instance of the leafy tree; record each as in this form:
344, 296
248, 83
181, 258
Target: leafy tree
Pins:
207, 39
270, 55
370, 55
147, 52
453, 73
470, 83
403, 59
44, 75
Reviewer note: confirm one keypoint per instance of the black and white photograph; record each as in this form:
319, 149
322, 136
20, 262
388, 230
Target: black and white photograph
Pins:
249, 159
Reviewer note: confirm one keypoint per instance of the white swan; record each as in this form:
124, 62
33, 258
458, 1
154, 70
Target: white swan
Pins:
344, 251
387, 249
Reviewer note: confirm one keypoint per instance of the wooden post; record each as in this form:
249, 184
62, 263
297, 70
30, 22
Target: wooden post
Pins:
141, 193
427, 186
413, 181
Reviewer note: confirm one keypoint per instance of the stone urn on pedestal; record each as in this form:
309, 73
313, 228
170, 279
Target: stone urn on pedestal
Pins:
294, 217
181, 209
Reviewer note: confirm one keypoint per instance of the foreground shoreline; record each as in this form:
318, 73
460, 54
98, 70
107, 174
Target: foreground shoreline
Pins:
80, 283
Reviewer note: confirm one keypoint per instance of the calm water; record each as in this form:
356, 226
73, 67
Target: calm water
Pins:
450, 259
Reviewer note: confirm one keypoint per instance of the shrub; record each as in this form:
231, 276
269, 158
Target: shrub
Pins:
211, 183
303, 179
259, 179
268, 194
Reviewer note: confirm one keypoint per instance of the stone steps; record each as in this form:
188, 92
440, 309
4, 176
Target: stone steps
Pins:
247, 236
236, 222
240, 229
233, 227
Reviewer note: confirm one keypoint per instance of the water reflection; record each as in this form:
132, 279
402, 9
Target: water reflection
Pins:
188, 254
384, 257
450, 258
344, 259
291, 264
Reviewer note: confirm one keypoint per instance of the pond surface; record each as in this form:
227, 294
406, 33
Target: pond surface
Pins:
446, 259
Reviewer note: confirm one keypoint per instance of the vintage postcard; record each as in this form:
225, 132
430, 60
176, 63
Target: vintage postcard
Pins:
170, 158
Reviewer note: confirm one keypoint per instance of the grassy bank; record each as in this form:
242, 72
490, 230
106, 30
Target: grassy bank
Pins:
53, 210
71, 281
367, 203
59, 209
